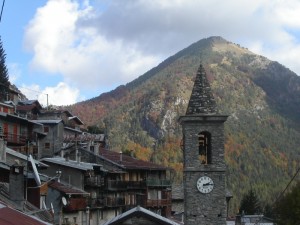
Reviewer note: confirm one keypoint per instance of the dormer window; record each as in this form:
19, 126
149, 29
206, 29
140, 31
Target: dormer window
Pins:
204, 147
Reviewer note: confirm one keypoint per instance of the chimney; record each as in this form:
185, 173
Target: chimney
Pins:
2, 149
16, 184
121, 156
78, 157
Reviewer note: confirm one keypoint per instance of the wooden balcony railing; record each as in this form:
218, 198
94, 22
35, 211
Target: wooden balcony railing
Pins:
94, 181
120, 201
124, 185
158, 183
15, 138
158, 202
76, 204
114, 202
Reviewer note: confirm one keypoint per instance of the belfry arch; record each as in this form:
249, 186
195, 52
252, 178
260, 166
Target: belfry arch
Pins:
204, 145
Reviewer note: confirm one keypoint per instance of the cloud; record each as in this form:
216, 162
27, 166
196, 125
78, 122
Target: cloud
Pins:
14, 72
62, 94
98, 44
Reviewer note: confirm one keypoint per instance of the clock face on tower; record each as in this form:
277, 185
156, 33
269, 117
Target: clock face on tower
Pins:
205, 184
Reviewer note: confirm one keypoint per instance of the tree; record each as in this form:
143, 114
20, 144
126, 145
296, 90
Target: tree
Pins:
287, 208
95, 130
4, 81
250, 204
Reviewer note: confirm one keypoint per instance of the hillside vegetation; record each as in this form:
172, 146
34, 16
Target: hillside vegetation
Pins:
261, 97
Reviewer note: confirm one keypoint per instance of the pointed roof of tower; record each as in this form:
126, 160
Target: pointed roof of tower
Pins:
201, 100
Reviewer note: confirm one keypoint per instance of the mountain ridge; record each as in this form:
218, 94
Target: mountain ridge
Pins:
261, 96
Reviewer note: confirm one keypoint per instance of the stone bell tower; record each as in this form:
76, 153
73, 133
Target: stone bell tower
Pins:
204, 164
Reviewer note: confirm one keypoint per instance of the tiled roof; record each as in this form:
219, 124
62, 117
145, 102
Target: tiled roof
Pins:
129, 162
66, 189
9, 216
201, 100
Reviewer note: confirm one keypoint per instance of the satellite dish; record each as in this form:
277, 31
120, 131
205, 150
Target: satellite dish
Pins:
52, 209
64, 201
35, 172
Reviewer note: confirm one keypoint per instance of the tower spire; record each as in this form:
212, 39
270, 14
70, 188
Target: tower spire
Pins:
201, 100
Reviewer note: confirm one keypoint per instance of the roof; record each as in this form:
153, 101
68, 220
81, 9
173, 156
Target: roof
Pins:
5, 166
77, 119
29, 102
201, 100
10, 216
15, 117
71, 163
25, 107
73, 130
24, 157
140, 212
84, 136
57, 111
129, 162
66, 189
47, 121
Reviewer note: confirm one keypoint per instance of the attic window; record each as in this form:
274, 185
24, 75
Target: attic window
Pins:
204, 147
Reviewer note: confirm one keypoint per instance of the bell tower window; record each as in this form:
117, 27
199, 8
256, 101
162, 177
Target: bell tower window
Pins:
204, 147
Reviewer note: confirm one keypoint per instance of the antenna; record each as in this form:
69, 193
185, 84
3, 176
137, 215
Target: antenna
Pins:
36, 174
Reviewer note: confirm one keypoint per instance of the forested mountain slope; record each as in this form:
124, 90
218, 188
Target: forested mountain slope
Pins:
261, 97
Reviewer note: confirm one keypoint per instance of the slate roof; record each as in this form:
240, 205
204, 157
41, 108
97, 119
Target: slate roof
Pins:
76, 119
70, 163
9, 216
201, 100
47, 121
129, 162
66, 189
140, 212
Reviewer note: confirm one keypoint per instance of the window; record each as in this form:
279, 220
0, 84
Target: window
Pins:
204, 147
46, 129
47, 145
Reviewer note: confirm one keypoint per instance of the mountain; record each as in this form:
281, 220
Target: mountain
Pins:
261, 97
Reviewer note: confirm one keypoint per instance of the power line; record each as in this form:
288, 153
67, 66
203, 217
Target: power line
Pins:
2, 9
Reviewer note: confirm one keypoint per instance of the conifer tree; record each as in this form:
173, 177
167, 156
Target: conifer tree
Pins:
250, 204
4, 81
287, 209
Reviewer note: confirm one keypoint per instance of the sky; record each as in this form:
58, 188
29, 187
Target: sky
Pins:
69, 51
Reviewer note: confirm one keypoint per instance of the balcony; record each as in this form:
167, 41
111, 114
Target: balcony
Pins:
158, 183
114, 202
158, 202
125, 185
94, 181
76, 204
97, 202
14, 139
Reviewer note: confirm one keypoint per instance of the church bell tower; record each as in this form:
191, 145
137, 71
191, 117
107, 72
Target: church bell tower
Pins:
204, 164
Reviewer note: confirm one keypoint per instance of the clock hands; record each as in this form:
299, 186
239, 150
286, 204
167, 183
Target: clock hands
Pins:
207, 184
